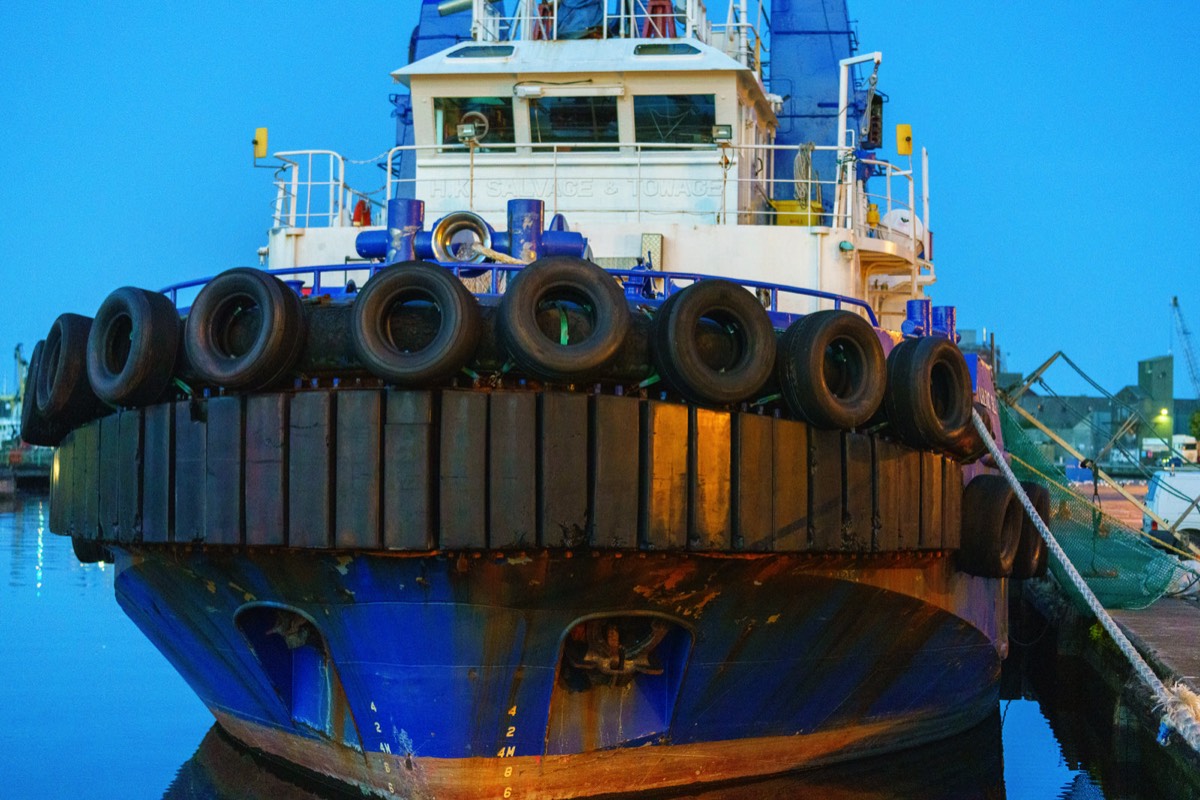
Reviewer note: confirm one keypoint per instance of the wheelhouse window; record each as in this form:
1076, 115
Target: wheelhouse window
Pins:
574, 120
491, 116
674, 118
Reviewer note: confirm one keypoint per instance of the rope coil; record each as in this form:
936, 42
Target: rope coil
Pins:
1177, 714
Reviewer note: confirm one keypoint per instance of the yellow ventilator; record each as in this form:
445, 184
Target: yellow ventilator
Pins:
260, 142
904, 140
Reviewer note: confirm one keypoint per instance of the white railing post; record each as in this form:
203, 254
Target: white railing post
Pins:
743, 49
844, 197
280, 193
295, 195
912, 212
925, 196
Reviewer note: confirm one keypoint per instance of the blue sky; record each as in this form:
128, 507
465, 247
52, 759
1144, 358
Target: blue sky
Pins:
1059, 136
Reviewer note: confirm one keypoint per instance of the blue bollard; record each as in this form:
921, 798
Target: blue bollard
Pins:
406, 218
919, 321
945, 322
525, 219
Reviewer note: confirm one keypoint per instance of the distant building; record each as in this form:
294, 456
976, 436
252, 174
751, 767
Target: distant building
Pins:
1089, 424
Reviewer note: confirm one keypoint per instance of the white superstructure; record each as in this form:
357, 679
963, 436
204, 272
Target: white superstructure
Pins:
655, 148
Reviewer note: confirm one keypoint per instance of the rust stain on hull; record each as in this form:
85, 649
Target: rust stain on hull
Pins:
599, 773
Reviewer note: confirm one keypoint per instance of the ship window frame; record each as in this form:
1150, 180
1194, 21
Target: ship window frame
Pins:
445, 134
702, 129
668, 49
498, 51
609, 99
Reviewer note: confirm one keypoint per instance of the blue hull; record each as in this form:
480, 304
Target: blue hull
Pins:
447, 675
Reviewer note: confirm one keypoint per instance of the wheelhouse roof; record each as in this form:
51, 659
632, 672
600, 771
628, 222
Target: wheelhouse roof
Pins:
570, 57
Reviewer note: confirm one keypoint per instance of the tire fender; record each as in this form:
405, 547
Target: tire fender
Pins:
928, 398
1032, 554
35, 428
62, 392
244, 331
590, 305
991, 527
968, 446
832, 370
132, 347
405, 358
698, 373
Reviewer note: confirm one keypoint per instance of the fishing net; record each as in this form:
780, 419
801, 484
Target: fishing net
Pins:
1118, 564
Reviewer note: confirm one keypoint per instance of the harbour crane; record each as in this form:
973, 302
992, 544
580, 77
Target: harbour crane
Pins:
1185, 344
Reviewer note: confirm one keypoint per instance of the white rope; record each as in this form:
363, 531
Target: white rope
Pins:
1176, 713
496, 255
373, 160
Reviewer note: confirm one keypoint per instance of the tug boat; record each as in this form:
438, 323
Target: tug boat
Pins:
615, 448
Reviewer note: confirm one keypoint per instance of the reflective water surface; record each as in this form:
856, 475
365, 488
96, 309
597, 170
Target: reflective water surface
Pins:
88, 708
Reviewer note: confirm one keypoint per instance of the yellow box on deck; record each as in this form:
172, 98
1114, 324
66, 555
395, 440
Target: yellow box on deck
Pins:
797, 212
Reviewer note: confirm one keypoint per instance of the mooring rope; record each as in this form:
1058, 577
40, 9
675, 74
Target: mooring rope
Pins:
1176, 713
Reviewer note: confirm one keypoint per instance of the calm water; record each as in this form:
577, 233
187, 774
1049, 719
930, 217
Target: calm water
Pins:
89, 709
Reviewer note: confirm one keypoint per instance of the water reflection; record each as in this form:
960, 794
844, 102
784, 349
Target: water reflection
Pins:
76, 677
968, 767
222, 770
32, 565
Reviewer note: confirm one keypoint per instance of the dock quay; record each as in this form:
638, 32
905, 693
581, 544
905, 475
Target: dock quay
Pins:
1124, 707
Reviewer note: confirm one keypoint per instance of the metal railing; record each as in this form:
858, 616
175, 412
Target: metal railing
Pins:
334, 279
738, 35
717, 183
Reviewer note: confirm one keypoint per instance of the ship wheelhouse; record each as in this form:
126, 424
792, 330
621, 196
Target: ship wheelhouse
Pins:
653, 134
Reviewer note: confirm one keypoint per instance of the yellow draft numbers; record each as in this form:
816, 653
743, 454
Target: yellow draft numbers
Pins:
508, 751
384, 748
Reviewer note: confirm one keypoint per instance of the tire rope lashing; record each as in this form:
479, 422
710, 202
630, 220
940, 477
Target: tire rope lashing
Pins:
1176, 713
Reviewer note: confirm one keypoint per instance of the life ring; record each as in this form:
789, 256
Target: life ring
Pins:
245, 330
409, 357
132, 347
563, 319
928, 397
745, 355
362, 214
832, 370
1031, 558
63, 394
991, 527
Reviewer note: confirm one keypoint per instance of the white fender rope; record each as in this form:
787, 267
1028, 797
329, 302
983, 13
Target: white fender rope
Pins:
1176, 713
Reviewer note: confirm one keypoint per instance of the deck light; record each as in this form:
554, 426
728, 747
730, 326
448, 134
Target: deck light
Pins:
467, 132
722, 133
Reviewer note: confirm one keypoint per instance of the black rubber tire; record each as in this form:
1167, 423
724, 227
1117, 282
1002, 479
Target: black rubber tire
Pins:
35, 428
391, 349
527, 322
711, 377
968, 446
132, 347
1032, 554
244, 331
928, 398
63, 395
832, 371
991, 527
89, 551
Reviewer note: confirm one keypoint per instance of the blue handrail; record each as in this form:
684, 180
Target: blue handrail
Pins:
496, 270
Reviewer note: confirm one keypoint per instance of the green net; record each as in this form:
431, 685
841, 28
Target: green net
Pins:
1118, 564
